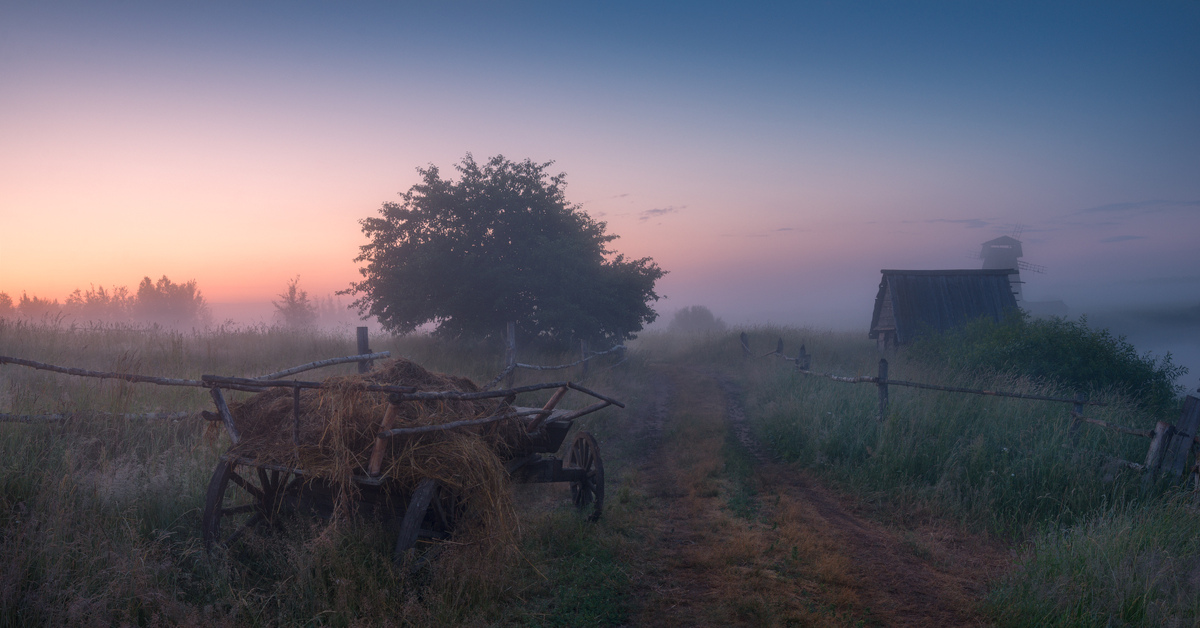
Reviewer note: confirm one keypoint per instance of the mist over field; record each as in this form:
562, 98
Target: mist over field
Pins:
771, 159
593, 238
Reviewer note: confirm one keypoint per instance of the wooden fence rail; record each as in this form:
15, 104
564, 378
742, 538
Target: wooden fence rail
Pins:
511, 364
885, 381
49, 418
362, 359
169, 381
1170, 445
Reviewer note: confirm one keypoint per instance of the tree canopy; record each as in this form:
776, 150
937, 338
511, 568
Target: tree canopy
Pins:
294, 310
500, 244
696, 319
169, 303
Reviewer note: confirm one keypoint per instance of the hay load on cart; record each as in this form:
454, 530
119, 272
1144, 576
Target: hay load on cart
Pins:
432, 451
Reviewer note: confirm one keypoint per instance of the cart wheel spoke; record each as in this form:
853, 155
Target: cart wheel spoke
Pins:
257, 500
246, 486
584, 455
264, 480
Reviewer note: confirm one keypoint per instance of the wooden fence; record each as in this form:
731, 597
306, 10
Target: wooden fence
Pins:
586, 355
216, 383
1170, 448
365, 358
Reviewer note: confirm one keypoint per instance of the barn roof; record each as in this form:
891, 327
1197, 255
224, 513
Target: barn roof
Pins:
937, 300
1003, 241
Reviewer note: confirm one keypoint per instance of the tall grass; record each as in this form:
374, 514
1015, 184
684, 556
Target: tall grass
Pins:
1102, 549
100, 516
1004, 466
1132, 565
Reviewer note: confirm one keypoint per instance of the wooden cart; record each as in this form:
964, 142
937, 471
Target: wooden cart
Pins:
246, 495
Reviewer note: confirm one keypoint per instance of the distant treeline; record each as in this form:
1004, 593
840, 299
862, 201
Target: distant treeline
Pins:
165, 303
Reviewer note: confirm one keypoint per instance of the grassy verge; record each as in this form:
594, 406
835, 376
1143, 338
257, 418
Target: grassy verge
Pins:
1133, 565
1100, 549
100, 517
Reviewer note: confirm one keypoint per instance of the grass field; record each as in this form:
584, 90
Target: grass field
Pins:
100, 517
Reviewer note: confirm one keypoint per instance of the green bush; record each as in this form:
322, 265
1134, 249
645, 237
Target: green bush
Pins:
1067, 353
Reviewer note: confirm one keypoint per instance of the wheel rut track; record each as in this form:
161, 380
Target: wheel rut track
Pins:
853, 570
900, 587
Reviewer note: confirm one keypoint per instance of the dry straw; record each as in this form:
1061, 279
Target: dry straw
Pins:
337, 431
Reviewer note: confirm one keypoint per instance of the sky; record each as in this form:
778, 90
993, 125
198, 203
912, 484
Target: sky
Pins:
773, 157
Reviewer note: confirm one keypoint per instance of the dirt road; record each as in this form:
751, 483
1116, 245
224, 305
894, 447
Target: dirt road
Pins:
737, 539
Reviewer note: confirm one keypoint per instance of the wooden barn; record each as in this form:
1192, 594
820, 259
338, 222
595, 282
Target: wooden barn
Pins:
913, 302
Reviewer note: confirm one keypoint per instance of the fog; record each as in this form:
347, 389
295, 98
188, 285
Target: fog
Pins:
773, 159
1154, 314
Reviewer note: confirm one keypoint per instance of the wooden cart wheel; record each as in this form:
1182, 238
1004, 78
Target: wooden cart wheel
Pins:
240, 500
585, 454
431, 513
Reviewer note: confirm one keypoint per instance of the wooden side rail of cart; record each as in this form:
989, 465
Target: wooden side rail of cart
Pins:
244, 493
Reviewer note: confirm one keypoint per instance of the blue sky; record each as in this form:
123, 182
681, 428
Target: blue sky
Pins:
761, 153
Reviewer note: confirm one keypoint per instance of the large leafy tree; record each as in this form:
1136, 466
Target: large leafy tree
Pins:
500, 244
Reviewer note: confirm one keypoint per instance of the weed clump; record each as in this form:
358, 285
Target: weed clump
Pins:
1131, 565
1058, 351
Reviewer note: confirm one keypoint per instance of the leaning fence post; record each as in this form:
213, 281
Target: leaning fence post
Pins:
745, 344
223, 410
803, 360
1154, 455
1076, 414
510, 354
296, 415
883, 389
363, 349
583, 354
1179, 447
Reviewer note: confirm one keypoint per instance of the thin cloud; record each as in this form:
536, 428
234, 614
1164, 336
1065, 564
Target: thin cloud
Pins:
1141, 207
659, 212
606, 198
1122, 238
763, 234
970, 223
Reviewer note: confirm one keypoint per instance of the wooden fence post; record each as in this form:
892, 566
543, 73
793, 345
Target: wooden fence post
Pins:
1179, 447
510, 354
745, 344
296, 415
583, 353
803, 360
363, 349
779, 347
883, 389
1163, 432
1076, 413
223, 411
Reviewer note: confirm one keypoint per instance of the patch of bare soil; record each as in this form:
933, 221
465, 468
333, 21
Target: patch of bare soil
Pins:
800, 555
